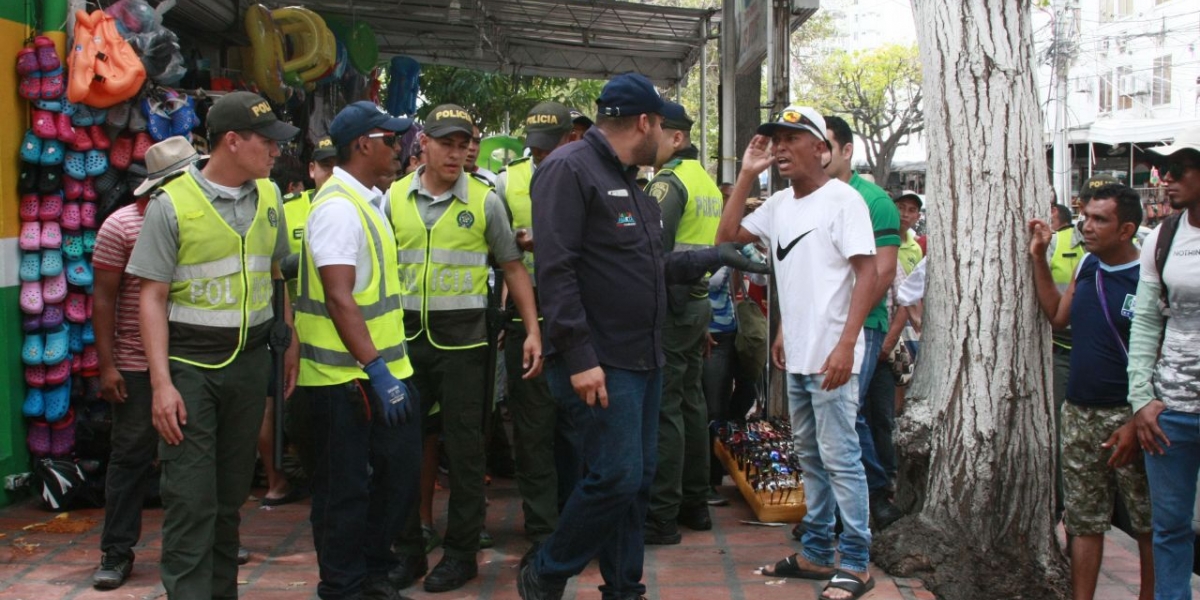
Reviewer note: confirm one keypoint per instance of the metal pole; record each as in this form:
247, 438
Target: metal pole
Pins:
704, 95
1063, 49
728, 113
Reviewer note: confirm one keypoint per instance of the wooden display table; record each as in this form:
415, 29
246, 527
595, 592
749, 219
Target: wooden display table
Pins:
769, 507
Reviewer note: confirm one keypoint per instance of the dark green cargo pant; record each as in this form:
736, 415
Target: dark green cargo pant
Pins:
682, 475
206, 478
455, 379
534, 419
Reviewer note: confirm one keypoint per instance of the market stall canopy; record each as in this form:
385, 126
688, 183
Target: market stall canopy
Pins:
592, 39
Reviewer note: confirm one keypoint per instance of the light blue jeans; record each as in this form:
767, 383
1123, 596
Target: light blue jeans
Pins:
834, 479
1172, 479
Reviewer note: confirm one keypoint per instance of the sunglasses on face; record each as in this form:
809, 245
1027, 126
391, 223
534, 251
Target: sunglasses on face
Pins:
389, 139
1177, 169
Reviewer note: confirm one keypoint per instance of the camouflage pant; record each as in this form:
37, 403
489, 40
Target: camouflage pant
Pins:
1088, 482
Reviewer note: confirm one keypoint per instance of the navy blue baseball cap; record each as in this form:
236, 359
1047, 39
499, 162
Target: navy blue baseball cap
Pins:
675, 116
360, 117
627, 95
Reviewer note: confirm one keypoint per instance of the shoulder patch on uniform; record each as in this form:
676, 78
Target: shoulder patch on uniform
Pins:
671, 164
466, 219
658, 190
272, 217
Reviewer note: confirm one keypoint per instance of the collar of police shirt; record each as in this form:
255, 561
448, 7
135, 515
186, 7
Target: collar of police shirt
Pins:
458, 190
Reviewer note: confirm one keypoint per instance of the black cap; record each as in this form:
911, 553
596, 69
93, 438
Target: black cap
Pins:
579, 118
246, 111
675, 117
446, 119
628, 94
360, 117
1094, 183
546, 125
324, 150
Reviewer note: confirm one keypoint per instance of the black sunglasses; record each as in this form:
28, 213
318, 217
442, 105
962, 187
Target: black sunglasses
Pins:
388, 138
1176, 169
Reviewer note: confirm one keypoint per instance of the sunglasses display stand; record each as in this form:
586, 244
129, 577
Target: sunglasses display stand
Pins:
759, 457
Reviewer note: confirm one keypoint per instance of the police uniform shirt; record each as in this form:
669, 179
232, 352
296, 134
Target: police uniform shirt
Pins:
501, 242
156, 252
334, 232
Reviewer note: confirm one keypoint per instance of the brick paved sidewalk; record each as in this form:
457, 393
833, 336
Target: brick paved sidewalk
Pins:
717, 564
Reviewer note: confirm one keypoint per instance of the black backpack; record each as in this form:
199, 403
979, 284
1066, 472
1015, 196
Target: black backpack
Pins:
1162, 249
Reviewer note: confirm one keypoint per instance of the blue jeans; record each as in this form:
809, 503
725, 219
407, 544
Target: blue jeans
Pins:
824, 436
364, 484
877, 478
604, 516
1172, 479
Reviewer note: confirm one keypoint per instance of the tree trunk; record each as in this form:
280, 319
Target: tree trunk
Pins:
980, 412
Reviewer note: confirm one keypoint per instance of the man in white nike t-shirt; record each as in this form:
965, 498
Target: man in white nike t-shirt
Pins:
820, 237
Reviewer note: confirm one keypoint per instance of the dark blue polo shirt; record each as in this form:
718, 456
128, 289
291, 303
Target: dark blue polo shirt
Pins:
600, 267
1098, 359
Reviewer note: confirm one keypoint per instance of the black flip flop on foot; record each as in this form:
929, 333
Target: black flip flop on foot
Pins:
790, 567
295, 495
844, 580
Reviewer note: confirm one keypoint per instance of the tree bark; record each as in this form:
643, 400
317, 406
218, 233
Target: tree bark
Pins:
980, 412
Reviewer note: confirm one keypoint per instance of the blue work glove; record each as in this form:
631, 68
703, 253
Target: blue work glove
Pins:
395, 403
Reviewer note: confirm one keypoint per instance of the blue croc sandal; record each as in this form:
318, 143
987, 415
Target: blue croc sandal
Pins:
31, 267
89, 240
75, 165
33, 349
52, 262
75, 338
58, 401
57, 346
31, 148
95, 163
72, 244
34, 405
52, 152
79, 272
89, 333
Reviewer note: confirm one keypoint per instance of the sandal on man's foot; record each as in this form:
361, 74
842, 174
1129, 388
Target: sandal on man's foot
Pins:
790, 567
846, 581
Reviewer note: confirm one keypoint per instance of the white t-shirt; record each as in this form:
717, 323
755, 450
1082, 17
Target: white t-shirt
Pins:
1177, 372
811, 240
334, 232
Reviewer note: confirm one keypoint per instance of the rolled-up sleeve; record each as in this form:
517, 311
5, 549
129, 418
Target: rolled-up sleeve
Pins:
559, 216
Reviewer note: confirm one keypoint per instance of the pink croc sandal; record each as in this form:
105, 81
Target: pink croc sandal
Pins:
87, 215
51, 207
27, 62
54, 289
31, 208
66, 131
43, 124
51, 234
31, 236
62, 434
35, 376
58, 374
81, 142
72, 188
76, 307
71, 216
52, 84
30, 87
31, 297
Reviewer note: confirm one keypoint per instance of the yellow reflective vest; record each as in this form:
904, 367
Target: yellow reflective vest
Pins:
1066, 258
516, 195
222, 280
295, 211
444, 269
702, 214
324, 359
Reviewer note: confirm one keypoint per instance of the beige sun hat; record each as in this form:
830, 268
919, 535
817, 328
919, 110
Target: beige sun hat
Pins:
165, 159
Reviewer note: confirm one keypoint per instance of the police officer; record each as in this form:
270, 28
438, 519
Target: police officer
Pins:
447, 222
208, 249
691, 210
353, 357
547, 126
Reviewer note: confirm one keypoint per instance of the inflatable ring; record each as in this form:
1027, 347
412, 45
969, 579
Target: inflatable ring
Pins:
266, 52
360, 43
313, 47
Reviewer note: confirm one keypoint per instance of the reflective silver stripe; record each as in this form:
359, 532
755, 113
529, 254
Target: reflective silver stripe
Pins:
458, 257
411, 302
337, 358
376, 239
456, 302
685, 247
369, 311
208, 270
258, 263
411, 256
258, 317
208, 318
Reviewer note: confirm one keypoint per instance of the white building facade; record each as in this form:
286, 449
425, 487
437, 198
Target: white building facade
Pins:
1132, 81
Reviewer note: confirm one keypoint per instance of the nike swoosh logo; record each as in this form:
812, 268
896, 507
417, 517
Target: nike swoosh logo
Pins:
782, 252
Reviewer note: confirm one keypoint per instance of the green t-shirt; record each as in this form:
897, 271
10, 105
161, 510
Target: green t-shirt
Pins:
885, 220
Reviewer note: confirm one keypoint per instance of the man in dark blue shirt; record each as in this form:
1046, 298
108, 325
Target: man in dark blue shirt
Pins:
601, 278
1098, 304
